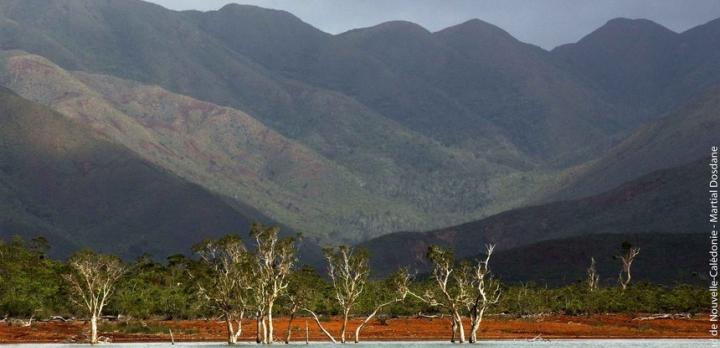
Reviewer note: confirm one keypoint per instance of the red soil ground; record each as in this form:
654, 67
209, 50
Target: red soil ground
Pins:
596, 326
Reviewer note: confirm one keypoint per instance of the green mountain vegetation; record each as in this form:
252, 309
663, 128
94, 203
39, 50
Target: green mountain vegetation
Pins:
339, 99
663, 202
33, 286
684, 134
61, 180
437, 84
645, 66
382, 129
219, 148
665, 258
227, 151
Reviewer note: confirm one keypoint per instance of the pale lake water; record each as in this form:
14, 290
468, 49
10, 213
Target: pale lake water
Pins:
610, 343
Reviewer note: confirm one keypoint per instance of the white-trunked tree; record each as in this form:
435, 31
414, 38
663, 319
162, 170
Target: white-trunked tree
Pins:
348, 270
225, 284
399, 283
92, 280
274, 261
463, 287
485, 290
593, 278
629, 254
452, 286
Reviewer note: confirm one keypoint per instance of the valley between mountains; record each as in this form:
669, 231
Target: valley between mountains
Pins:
127, 122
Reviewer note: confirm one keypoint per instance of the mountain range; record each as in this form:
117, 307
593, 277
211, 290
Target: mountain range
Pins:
350, 137
63, 181
663, 208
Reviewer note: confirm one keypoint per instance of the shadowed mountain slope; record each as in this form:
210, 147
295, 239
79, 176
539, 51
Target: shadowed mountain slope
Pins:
471, 86
219, 148
645, 66
347, 137
667, 201
441, 184
227, 151
685, 134
664, 258
62, 180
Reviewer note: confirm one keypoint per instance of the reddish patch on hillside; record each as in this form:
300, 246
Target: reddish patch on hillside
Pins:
162, 149
25, 65
158, 124
197, 106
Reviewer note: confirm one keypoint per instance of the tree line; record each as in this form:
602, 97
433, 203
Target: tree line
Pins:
227, 279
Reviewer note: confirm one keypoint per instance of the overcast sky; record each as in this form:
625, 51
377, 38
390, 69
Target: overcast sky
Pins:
546, 23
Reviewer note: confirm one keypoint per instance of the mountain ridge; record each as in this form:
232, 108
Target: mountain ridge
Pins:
665, 201
61, 180
374, 130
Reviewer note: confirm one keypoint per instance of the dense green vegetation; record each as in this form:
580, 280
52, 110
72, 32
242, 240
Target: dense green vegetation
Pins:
31, 286
67, 182
659, 209
351, 136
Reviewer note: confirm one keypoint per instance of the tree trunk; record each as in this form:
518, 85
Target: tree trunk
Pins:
343, 328
369, 317
322, 328
233, 333
473, 331
263, 327
238, 332
454, 329
461, 329
357, 330
475, 325
260, 324
230, 331
269, 338
289, 329
307, 333
93, 329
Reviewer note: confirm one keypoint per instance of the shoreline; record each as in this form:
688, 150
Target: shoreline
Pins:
405, 329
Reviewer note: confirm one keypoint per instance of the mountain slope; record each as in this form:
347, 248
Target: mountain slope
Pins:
643, 65
62, 180
667, 201
298, 51
349, 136
506, 104
228, 151
440, 184
624, 58
219, 148
683, 135
562, 261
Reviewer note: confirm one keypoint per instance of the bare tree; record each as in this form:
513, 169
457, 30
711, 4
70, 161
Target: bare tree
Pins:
92, 281
296, 302
453, 298
593, 278
400, 282
302, 290
319, 324
627, 259
224, 288
348, 269
275, 258
486, 292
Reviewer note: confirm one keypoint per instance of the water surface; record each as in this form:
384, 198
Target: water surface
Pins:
595, 343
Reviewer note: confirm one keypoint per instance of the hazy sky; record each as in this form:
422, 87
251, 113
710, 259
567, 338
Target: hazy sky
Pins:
546, 23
